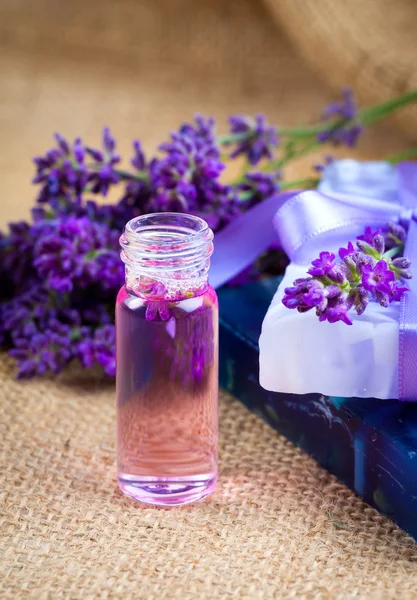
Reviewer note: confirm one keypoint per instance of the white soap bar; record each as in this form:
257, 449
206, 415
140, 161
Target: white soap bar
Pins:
301, 355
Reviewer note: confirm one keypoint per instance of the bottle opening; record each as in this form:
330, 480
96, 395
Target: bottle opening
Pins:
167, 255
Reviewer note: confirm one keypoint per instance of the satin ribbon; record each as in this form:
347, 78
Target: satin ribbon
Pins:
309, 222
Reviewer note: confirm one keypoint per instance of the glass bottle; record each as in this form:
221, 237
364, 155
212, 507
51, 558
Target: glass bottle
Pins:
167, 361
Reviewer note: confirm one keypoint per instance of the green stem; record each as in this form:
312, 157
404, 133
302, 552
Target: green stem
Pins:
393, 251
229, 139
302, 183
243, 196
139, 176
291, 155
391, 105
403, 155
367, 116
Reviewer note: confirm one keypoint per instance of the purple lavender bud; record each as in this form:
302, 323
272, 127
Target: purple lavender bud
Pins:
303, 308
382, 298
362, 260
351, 264
79, 151
291, 290
396, 291
258, 139
405, 274
259, 186
361, 300
338, 113
336, 313
369, 235
365, 247
346, 108
379, 243
322, 265
401, 262
398, 231
344, 252
328, 159
333, 291
62, 143
138, 160
337, 273
315, 295
95, 154
109, 143
291, 302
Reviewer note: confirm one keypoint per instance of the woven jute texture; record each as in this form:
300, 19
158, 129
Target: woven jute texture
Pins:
278, 526
370, 45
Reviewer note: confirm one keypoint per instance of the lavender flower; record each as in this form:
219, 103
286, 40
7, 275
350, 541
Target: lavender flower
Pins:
155, 309
78, 252
396, 291
377, 278
60, 272
322, 265
257, 187
368, 235
328, 159
334, 288
344, 115
186, 179
15, 255
39, 331
343, 252
336, 313
394, 234
100, 347
103, 176
255, 139
62, 174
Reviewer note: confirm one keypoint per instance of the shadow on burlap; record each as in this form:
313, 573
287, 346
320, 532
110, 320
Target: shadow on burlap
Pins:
278, 526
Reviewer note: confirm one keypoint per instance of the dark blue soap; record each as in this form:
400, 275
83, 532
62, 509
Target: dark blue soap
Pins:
369, 444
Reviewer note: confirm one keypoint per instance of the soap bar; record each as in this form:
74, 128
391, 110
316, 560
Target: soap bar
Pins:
369, 444
299, 354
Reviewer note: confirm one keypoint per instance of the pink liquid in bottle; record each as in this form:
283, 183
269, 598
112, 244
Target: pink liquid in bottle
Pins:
167, 363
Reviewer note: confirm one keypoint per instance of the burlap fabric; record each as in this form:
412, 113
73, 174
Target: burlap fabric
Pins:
370, 45
278, 526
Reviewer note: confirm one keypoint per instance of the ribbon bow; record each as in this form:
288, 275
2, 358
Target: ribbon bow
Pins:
309, 222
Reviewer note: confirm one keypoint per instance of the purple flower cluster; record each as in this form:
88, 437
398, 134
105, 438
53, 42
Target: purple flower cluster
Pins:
361, 274
253, 138
345, 125
257, 186
187, 177
75, 252
99, 347
60, 273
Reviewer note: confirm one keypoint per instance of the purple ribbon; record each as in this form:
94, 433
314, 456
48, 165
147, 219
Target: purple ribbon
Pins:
309, 222
240, 243
407, 355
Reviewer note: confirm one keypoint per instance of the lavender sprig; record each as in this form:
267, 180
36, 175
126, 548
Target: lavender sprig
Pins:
367, 272
60, 272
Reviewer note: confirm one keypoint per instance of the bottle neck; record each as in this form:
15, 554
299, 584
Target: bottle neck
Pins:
166, 256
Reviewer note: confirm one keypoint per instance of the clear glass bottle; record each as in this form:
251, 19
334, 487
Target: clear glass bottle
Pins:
167, 361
